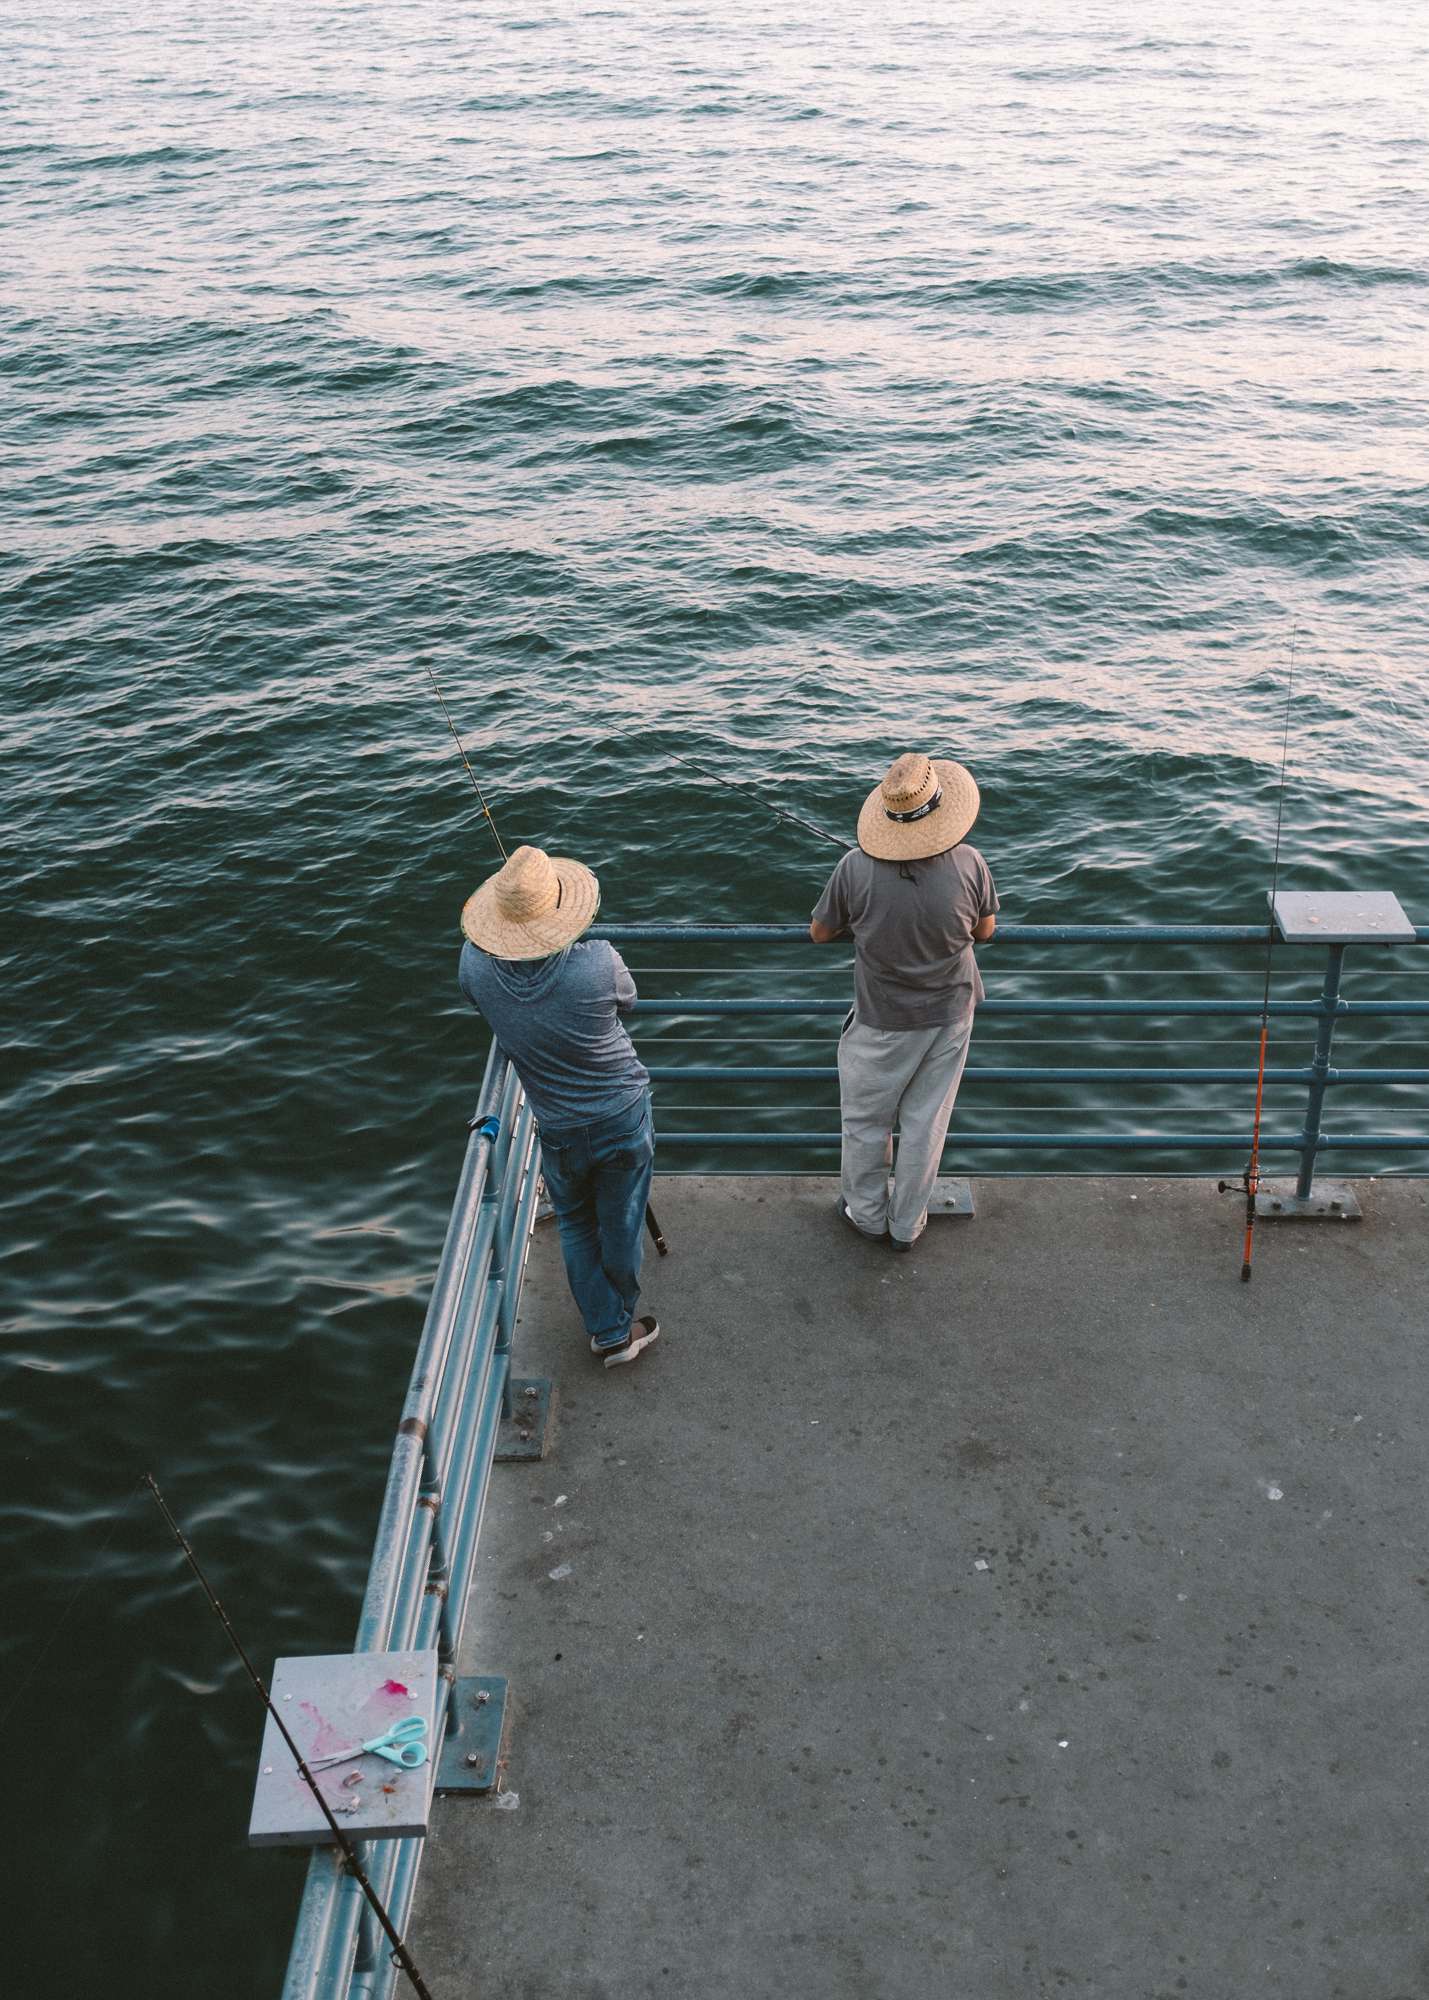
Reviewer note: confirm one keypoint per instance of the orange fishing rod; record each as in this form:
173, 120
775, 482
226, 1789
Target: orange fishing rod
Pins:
1250, 1180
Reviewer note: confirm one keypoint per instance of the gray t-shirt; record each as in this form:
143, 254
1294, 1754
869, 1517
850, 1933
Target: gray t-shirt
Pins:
558, 1019
912, 925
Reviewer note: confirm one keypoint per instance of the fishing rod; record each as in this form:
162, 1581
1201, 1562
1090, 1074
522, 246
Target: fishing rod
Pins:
486, 809
734, 786
400, 1954
1250, 1180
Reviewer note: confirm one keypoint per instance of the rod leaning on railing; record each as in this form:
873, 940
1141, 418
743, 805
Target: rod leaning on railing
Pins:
424, 1555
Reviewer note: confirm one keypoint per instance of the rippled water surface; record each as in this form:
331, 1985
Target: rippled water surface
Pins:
785, 385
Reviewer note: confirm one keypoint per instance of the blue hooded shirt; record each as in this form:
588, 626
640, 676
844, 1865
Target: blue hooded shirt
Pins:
558, 1020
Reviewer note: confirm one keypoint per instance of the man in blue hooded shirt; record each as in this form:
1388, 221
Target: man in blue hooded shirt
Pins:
553, 1002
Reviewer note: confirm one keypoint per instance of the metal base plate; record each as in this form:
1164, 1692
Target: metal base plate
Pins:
951, 1198
526, 1433
1330, 1201
469, 1759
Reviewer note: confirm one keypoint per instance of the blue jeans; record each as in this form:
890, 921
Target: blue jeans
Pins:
598, 1178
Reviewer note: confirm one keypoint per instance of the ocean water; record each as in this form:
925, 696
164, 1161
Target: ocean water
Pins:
782, 386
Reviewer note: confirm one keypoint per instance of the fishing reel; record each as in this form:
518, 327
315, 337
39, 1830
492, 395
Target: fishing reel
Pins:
1248, 1187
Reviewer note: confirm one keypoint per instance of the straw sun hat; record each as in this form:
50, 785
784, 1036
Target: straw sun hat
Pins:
537, 904
924, 806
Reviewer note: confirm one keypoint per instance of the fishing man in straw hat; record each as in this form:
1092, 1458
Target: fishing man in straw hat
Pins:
554, 1006
915, 897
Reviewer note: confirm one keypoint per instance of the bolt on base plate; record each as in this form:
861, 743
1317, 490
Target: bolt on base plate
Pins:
1330, 1201
471, 1749
526, 1433
951, 1198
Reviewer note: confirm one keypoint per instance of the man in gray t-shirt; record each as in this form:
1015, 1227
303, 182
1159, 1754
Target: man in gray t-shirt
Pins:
915, 897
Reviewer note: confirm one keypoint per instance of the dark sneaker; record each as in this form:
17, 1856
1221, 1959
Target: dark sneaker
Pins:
841, 1206
643, 1333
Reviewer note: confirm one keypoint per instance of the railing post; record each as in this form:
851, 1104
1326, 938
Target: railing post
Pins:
1320, 1070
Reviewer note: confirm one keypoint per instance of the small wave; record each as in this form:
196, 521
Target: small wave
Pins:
1334, 271
523, 572
629, 447
145, 156
1035, 291
762, 284
1317, 540
575, 284
1031, 290
569, 97
603, 156
506, 415
1064, 73
1129, 396
768, 420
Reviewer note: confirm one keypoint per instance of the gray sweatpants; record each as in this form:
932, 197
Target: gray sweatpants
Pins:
907, 1076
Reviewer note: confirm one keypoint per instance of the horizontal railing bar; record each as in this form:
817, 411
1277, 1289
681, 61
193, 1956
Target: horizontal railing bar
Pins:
1038, 933
1058, 1141
1061, 933
1033, 1073
1157, 1009
1099, 1171
832, 968
994, 1073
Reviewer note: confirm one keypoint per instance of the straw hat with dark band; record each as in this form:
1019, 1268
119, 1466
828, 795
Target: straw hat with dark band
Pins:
537, 904
924, 806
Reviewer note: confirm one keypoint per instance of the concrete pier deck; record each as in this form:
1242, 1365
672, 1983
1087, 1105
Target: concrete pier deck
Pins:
1041, 1613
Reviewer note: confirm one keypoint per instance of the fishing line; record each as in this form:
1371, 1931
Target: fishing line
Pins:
400, 1954
1250, 1180
731, 784
486, 809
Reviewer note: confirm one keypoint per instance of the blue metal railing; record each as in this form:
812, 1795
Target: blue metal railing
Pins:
1327, 1008
424, 1557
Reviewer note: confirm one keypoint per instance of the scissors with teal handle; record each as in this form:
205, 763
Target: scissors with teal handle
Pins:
401, 1744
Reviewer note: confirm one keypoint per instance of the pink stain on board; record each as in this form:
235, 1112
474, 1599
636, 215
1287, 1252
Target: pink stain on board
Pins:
394, 1687
325, 1737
